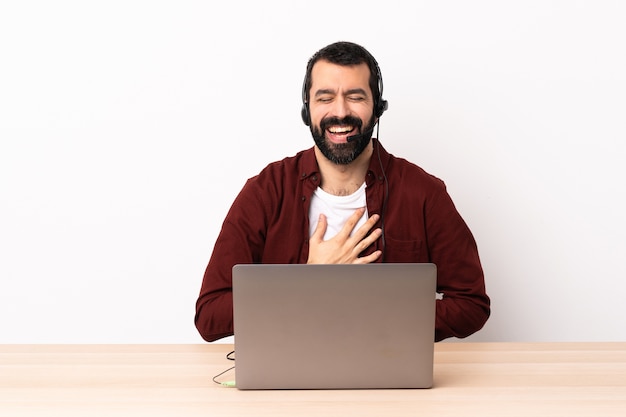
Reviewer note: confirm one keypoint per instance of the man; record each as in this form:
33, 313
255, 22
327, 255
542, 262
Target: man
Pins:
346, 200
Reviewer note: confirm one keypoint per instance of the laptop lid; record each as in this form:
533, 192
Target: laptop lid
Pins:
334, 326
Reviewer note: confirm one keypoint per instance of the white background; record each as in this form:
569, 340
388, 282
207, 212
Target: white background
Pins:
128, 127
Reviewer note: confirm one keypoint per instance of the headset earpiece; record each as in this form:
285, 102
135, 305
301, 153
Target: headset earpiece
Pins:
306, 118
381, 107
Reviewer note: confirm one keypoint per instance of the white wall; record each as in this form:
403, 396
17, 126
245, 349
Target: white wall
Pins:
127, 128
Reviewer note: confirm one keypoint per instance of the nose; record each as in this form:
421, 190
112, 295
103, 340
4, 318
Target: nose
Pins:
340, 108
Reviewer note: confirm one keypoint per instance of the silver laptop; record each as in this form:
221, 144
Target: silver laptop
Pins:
334, 326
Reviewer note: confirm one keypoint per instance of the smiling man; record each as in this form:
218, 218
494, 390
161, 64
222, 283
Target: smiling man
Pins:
346, 200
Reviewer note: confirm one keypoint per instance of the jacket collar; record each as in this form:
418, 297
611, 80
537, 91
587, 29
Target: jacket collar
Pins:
308, 166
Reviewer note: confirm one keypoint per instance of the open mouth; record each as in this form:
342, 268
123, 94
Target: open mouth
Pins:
338, 130
339, 133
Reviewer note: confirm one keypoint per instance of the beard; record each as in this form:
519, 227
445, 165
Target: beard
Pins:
343, 153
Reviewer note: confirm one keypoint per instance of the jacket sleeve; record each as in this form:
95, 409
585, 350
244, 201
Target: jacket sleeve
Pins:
465, 306
240, 241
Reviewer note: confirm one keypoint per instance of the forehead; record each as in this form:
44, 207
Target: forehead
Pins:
326, 75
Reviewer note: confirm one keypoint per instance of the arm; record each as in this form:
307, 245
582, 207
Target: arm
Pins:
465, 306
240, 241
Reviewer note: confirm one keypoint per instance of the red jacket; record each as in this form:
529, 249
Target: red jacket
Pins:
268, 223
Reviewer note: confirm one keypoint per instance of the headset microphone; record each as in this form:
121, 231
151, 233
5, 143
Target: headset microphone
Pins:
361, 135
354, 137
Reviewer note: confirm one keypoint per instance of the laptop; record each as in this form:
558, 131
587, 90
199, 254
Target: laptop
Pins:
334, 326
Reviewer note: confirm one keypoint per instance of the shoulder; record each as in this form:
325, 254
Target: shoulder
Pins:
410, 174
285, 172
402, 173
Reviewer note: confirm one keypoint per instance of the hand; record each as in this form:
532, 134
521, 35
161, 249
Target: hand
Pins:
343, 248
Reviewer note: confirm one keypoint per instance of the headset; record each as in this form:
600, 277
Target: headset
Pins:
380, 104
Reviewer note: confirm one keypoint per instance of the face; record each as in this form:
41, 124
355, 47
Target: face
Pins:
341, 105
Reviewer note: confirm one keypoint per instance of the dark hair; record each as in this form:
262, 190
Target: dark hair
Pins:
348, 54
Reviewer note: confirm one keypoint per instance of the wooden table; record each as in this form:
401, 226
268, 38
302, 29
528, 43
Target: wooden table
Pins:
471, 379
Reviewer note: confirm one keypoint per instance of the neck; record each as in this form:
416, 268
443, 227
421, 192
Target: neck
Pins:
343, 179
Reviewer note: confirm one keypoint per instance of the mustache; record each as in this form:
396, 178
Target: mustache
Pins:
345, 121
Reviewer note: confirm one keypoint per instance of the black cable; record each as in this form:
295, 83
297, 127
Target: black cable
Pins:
226, 383
386, 196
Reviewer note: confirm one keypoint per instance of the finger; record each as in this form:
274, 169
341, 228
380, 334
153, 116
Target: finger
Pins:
372, 257
320, 229
364, 230
347, 228
368, 240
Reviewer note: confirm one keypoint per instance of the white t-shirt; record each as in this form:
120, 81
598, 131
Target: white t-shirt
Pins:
337, 210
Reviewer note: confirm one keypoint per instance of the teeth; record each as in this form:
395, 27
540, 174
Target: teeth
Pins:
340, 129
